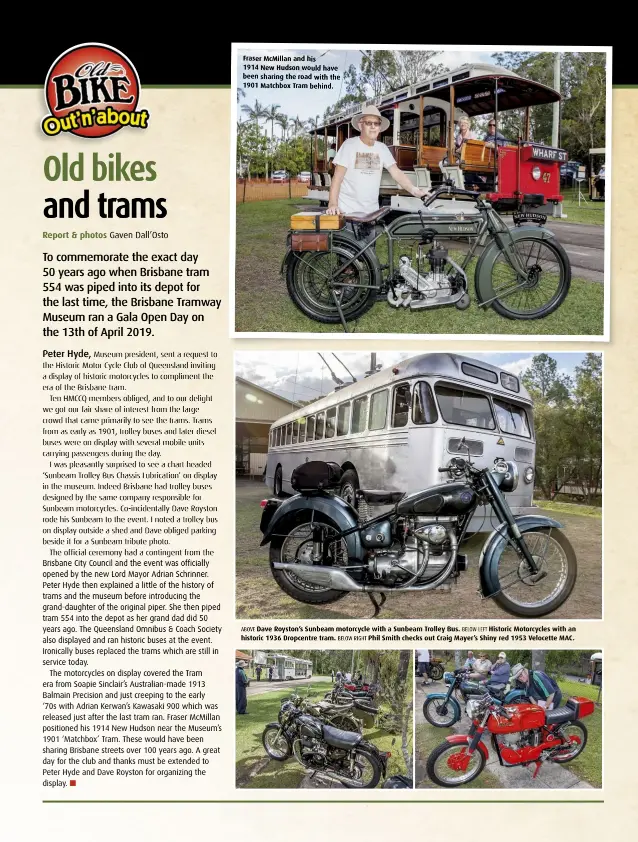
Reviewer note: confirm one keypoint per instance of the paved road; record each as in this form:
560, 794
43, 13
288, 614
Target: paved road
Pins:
550, 776
255, 687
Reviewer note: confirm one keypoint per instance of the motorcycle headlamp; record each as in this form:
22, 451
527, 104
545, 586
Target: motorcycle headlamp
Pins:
472, 708
448, 677
506, 474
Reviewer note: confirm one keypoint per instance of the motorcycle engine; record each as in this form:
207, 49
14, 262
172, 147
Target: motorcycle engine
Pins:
520, 739
420, 538
443, 282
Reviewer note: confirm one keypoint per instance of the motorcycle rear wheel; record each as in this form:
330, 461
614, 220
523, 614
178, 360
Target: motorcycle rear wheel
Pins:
435, 768
577, 726
436, 672
368, 757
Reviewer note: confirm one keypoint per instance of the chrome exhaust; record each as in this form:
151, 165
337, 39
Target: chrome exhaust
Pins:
337, 579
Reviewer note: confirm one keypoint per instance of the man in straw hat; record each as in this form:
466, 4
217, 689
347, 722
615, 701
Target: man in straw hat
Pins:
358, 167
241, 682
540, 687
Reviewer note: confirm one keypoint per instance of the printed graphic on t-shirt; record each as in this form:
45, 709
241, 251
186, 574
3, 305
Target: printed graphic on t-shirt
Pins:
369, 162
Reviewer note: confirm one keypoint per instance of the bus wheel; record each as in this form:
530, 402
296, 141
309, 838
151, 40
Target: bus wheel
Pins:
278, 482
349, 487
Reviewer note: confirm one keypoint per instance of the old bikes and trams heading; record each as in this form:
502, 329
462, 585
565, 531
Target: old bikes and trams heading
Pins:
322, 548
333, 272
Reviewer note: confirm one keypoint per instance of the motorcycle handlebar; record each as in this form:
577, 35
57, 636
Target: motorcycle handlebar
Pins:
451, 189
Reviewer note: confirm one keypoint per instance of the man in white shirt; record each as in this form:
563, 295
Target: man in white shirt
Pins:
359, 165
423, 659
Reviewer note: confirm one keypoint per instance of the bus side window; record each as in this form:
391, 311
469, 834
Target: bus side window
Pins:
401, 407
423, 405
295, 432
331, 416
320, 425
310, 432
359, 413
343, 419
288, 433
378, 410
280, 436
302, 430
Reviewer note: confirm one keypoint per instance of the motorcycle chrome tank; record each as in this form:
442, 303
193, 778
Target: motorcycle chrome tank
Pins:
525, 717
310, 728
447, 499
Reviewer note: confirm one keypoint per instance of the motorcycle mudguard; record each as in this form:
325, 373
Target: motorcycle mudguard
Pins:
380, 755
342, 514
483, 271
451, 702
496, 543
515, 697
343, 237
463, 739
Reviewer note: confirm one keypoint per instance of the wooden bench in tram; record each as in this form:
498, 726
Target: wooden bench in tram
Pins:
477, 157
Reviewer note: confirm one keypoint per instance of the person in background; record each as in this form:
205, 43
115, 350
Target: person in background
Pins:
269, 673
423, 659
348, 677
359, 678
494, 138
241, 682
463, 133
332, 676
500, 670
339, 675
481, 669
258, 671
469, 661
540, 688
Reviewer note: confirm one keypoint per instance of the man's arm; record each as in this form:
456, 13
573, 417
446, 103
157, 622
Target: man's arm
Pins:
403, 181
335, 187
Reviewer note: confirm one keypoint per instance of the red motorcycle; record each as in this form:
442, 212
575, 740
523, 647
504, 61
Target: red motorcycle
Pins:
521, 734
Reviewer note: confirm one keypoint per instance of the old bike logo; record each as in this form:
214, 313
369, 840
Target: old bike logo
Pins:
92, 90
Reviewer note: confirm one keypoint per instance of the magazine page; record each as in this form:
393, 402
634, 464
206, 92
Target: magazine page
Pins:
317, 376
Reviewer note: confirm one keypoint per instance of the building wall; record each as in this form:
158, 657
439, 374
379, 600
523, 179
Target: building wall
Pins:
252, 404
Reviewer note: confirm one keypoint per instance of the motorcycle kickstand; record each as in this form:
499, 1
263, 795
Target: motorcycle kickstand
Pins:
377, 606
538, 764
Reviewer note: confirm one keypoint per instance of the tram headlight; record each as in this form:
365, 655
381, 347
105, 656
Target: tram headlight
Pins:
536, 173
528, 475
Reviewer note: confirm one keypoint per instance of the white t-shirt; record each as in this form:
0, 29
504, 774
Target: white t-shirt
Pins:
364, 165
423, 656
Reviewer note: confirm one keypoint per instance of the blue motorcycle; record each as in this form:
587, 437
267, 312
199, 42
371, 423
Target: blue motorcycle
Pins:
442, 709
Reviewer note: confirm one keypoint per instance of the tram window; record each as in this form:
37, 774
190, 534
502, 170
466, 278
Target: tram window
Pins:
423, 405
468, 409
321, 420
512, 418
295, 432
310, 432
401, 407
343, 419
302, 430
359, 413
288, 433
331, 418
378, 410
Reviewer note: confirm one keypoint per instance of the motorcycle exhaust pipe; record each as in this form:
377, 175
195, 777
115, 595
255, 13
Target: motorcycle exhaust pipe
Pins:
338, 580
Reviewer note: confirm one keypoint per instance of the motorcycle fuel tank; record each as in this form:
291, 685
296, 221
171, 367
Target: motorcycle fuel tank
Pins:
310, 728
525, 717
450, 498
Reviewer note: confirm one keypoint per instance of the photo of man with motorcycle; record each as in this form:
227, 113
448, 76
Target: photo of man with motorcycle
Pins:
307, 730
533, 719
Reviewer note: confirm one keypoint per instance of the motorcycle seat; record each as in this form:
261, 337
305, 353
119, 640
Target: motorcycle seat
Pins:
496, 688
341, 739
562, 714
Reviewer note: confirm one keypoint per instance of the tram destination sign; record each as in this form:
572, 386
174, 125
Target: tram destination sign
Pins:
547, 153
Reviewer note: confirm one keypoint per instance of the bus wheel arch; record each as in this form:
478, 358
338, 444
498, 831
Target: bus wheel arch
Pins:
349, 484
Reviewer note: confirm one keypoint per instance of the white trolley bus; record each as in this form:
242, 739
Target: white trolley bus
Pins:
393, 430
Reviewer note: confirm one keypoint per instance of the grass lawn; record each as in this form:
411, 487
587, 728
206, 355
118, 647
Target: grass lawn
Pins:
589, 766
255, 769
263, 304
592, 213
427, 739
570, 508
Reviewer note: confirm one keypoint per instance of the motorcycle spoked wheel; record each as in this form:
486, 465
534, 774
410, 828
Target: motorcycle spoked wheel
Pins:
517, 587
440, 713
548, 280
441, 761
270, 743
364, 758
282, 549
436, 672
345, 723
576, 733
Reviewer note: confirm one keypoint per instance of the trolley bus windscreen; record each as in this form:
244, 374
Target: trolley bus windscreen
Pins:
512, 418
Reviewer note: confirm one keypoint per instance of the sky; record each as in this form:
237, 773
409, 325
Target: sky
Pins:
303, 375
310, 103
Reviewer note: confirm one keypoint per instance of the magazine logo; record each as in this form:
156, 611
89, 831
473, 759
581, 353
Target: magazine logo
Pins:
92, 90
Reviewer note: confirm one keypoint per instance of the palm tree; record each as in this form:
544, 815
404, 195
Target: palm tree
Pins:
271, 114
283, 121
240, 93
255, 113
297, 125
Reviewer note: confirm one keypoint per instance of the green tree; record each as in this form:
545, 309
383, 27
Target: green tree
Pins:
544, 382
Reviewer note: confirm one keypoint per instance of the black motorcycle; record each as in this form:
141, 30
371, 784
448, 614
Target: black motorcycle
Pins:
343, 756
321, 548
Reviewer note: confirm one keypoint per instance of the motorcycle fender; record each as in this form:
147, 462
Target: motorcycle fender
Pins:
452, 702
380, 755
485, 265
496, 543
284, 262
340, 237
295, 510
515, 697
462, 739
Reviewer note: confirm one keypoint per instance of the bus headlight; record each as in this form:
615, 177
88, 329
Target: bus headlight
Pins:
528, 476
536, 173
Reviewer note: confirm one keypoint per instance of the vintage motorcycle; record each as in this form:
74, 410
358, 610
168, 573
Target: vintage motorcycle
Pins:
335, 276
443, 709
343, 756
337, 714
321, 548
520, 734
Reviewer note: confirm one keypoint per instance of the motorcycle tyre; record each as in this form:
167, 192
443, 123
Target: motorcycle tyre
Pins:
436, 672
377, 770
274, 726
451, 705
581, 725
572, 570
433, 758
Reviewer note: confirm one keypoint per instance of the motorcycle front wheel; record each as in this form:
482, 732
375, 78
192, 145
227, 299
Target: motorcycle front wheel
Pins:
445, 765
309, 285
367, 771
296, 548
548, 280
276, 745
525, 594
441, 713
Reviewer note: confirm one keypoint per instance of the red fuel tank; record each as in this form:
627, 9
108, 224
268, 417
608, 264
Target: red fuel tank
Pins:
524, 717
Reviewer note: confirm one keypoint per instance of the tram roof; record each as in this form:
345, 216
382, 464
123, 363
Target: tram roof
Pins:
435, 365
474, 92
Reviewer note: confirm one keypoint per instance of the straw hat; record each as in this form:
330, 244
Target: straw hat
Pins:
241, 664
517, 669
371, 110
